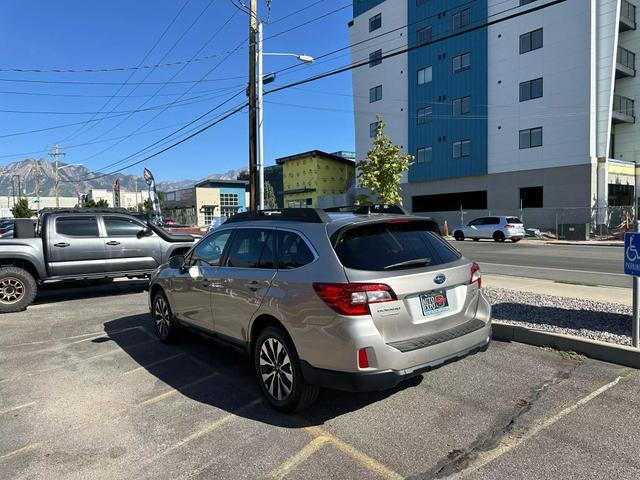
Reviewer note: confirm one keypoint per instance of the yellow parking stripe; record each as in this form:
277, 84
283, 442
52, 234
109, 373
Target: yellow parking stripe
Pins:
309, 449
13, 409
153, 364
168, 394
25, 449
362, 458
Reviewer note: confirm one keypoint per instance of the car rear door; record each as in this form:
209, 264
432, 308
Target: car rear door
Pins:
243, 281
191, 287
127, 248
74, 246
429, 278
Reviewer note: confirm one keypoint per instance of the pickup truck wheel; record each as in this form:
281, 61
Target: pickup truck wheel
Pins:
166, 325
18, 289
279, 373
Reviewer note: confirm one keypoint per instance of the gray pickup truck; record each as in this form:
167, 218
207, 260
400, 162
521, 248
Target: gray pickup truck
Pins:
80, 244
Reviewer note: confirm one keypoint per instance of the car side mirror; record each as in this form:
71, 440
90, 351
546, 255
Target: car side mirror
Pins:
145, 232
177, 262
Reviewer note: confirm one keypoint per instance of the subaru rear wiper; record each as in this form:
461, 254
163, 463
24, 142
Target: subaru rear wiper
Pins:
416, 262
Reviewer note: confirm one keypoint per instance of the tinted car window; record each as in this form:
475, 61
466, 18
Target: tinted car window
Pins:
77, 226
393, 246
122, 227
250, 247
293, 251
209, 250
513, 220
476, 222
492, 221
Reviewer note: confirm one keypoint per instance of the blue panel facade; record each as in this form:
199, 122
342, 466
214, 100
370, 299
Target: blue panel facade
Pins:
361, 6
240, 191
443, 128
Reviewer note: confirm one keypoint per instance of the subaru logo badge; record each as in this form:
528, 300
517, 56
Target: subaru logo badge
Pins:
439, 279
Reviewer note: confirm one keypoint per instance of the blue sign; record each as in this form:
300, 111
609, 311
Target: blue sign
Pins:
632, 253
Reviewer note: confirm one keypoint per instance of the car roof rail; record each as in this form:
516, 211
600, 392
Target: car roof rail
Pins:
308, 215
387, 208
48, 210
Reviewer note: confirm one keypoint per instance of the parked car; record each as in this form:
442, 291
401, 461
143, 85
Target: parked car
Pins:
344, 301
80, 244
497, 228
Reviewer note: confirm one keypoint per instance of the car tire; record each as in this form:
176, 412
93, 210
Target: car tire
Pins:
515, 240
279, 374
18, 289
167, 329
458, 235
498, 236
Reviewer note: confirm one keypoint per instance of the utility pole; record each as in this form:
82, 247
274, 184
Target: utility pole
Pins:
253, 23
260, 137
56, 153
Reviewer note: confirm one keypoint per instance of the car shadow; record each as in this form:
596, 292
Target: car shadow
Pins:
58, 291
604, 322
234, 385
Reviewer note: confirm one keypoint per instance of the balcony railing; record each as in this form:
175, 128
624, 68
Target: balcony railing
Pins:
627, 16
623, 110
625, 63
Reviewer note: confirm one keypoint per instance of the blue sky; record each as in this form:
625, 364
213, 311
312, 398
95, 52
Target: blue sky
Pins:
74, 34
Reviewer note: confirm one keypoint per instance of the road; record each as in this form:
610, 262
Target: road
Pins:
591, 265
88, 392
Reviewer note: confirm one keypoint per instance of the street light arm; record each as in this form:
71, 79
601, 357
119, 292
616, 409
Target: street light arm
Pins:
302, 58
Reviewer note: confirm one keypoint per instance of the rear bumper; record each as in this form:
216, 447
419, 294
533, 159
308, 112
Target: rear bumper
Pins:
379, 379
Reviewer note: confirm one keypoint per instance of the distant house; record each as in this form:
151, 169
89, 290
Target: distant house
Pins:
310, 178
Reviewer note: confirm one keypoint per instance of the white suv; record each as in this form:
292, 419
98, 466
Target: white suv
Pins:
497, 228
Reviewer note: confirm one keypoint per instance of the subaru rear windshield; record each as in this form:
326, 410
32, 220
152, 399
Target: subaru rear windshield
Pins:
513, 220
391, 246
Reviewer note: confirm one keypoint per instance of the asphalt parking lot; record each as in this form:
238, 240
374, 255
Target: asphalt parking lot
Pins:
86, 391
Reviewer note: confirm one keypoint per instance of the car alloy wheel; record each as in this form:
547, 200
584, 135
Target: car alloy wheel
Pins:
275, 369
162, 316
11, 290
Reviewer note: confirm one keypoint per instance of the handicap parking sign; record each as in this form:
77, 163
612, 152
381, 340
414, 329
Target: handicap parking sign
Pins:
632, 253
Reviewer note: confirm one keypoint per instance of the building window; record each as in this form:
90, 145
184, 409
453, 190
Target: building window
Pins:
531, 89
375, 94
530, 41
425, 75
375, 22
373, 127
424, 115
228, 204
531, 137
462, 149
462, 19
208, 215
423, 155
462, 106
462, 62
375, 58
423, 35
531, 197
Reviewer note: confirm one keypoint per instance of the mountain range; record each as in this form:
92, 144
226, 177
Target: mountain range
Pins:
26, 172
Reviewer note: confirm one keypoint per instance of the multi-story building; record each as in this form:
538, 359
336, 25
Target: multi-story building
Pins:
316, 179
128, 200
206, 202
505, 104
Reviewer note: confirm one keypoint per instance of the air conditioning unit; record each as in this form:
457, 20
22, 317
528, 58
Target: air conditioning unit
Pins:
573, 231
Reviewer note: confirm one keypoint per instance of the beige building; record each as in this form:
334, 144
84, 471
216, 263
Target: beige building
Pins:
128, 200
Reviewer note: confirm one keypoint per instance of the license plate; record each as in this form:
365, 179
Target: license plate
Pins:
434, 302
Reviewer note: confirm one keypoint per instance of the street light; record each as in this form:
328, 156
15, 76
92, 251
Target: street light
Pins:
302, 58
57, 170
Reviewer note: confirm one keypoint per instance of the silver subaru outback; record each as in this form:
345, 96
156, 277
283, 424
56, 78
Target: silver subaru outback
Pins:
337, 300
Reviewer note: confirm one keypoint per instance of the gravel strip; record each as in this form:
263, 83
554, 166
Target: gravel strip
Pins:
607, 322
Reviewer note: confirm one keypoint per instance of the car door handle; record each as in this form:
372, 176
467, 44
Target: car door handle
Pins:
113, 243
61, 244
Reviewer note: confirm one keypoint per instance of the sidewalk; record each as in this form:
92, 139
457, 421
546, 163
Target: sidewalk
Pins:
557, 289
590, 243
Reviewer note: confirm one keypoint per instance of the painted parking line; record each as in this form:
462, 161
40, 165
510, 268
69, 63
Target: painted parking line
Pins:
153, 364
173, 391
309, 449
25, 449
362, 458
19, 407
513, 440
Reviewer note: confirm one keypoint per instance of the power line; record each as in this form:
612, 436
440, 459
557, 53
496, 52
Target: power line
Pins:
79, 95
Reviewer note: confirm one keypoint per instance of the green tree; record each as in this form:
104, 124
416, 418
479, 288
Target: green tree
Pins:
270, 201
383, 167
91, 203
21, 209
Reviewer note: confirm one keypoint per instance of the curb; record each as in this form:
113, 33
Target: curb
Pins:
607, 352
584, 244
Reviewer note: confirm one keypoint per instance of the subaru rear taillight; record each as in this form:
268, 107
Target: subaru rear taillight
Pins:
353, 298
476, 276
